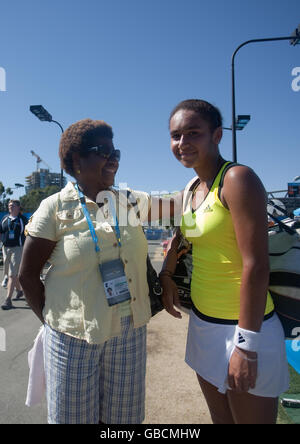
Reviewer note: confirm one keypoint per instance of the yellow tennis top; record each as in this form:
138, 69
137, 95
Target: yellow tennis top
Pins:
217, 262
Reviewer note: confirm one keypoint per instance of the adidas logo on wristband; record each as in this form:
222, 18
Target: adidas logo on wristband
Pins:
241, 339
246, 339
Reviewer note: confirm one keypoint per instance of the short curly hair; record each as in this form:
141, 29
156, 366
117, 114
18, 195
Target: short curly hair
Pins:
206, 110
78, 137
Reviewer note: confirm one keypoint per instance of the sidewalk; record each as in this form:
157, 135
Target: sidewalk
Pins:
173, 395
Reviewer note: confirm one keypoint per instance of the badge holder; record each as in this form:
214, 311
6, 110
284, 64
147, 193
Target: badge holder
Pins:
115, 282
112, 272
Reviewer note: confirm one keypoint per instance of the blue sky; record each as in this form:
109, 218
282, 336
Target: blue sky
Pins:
130, 62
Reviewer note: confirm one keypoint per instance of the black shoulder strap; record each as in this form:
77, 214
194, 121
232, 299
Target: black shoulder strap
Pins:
228, 166
189, 188
194, 184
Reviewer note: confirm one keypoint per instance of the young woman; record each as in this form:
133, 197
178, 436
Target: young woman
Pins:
235, 341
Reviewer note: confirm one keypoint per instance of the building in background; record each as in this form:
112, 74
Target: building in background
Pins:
42, 179
294, 189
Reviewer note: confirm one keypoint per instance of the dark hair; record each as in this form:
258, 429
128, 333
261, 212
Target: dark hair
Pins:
78, 137
17, 202
206, 110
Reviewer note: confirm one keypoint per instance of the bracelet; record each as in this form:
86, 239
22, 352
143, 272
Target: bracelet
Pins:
246, 339
243, 356
166, 273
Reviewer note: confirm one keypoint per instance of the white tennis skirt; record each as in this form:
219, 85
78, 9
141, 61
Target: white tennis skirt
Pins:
209, 348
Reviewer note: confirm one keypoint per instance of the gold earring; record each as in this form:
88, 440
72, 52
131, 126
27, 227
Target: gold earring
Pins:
78, 171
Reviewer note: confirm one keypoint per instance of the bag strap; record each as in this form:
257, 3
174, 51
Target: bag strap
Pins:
131, 199
189, 188
193, 183
230, 165
281, 225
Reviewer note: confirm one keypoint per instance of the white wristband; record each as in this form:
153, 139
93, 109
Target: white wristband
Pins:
246, 339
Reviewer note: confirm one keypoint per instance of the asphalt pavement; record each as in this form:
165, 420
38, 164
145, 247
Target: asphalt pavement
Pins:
20, 327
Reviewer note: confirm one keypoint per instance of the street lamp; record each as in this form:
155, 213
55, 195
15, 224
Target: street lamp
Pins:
41, 113
295, 37
17, 186
294, 40
240, 123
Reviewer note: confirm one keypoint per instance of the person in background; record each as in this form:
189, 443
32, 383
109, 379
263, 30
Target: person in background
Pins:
12, 235
5, 280
235, 341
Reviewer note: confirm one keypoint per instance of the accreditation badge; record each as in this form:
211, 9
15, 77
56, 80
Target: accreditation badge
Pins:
115, 282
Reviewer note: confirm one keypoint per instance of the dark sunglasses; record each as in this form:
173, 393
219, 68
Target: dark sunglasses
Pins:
107, 152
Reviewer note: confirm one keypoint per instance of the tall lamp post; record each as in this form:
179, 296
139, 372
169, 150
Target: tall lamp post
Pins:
41, 113
240, 123
17, 185
294, 40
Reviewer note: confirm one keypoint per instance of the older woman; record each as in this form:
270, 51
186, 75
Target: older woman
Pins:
95, 339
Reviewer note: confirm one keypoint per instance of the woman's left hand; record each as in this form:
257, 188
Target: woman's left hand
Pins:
242, 371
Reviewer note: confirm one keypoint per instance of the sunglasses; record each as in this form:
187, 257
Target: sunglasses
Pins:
107, 152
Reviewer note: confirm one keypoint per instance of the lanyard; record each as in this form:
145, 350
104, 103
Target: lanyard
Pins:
90, 223
12, 223
117, 228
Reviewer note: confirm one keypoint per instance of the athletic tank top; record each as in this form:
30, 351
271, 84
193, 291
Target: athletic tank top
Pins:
217, 262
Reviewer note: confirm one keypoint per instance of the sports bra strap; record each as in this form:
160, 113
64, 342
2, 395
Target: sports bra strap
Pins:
230, 165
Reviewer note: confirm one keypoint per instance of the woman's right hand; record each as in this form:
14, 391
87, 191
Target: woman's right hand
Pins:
170, 298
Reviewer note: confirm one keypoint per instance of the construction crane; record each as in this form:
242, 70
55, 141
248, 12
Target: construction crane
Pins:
39, 160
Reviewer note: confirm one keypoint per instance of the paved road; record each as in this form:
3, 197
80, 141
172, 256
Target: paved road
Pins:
21, 327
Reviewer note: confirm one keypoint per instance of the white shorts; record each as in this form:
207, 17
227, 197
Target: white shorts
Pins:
209, 348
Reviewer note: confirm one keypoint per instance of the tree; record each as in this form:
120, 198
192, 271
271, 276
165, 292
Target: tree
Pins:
31, 201
4, 199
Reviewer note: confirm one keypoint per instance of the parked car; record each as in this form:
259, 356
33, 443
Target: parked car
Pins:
153, 233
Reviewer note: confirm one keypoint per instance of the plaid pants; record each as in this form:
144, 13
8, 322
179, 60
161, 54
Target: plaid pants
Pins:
86, 383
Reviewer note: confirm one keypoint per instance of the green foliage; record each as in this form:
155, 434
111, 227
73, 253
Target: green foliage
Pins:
2, 188
31, 201
4, 199
284, 416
